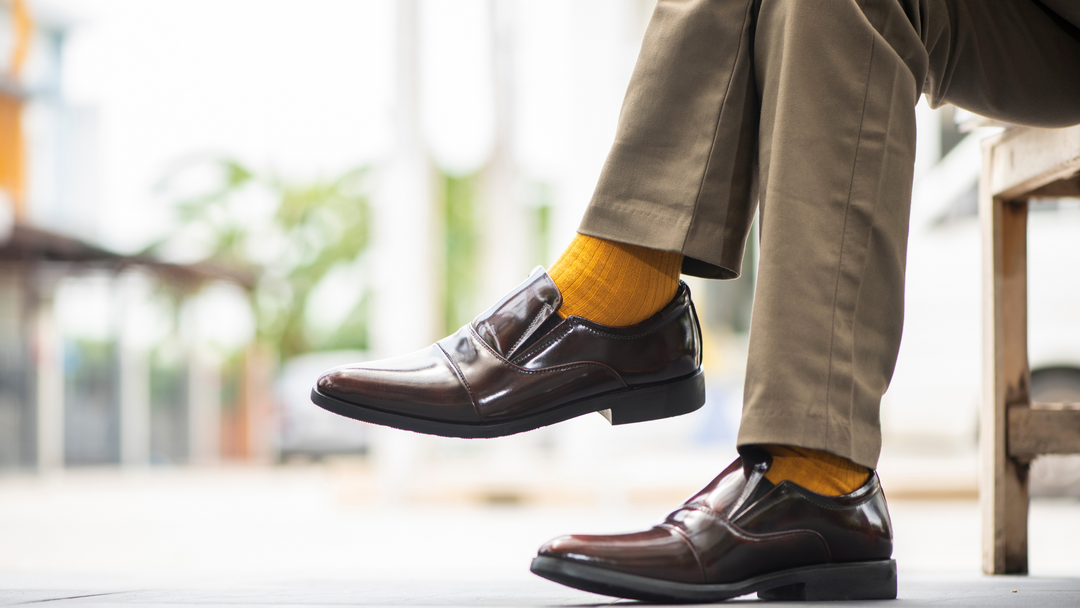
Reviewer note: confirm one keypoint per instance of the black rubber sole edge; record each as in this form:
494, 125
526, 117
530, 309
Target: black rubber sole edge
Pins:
874, 580
652, 402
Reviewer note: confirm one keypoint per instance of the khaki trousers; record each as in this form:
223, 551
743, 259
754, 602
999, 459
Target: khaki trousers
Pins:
807, 107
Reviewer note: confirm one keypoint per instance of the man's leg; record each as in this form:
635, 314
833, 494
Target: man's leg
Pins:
829, 308
657, 187
1015, 60
836, 82
840, 81
680, 175
833, 87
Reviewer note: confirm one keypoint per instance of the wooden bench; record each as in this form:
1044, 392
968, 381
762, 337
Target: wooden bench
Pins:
1018, 164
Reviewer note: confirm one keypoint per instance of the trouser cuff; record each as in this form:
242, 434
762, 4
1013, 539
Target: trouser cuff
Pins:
857, 441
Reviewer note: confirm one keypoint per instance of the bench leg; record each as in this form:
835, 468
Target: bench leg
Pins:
1003, 489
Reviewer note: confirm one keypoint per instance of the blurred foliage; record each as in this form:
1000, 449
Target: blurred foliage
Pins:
460, 200
292, 237
541, 203
458, 195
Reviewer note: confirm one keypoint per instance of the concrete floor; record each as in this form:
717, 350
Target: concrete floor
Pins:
915, 590
302, 536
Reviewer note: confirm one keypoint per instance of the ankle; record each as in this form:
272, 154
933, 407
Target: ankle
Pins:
815, 470
614, 283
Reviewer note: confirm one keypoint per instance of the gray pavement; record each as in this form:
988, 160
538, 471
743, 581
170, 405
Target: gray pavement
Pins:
915, 590
315, 536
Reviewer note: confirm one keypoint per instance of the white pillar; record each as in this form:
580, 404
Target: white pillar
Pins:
406, 241
204, 406
404, 248
504, 226
928, 143
258, 403
50, 386
133, 378
203, 388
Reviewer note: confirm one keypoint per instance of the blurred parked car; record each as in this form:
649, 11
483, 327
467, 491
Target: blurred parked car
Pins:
306, 430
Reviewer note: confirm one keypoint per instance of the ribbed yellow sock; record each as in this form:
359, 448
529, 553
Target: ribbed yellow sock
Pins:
815, 470
612, 283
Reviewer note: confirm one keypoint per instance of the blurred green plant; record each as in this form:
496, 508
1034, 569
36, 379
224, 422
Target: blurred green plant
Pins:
460, 200
458, 196
301, 242
541, 202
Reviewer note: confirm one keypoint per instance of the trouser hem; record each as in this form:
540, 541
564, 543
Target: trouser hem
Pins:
811, 431
635, 226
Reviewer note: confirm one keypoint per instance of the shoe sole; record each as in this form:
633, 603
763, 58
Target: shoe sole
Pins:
874, 580
651, 402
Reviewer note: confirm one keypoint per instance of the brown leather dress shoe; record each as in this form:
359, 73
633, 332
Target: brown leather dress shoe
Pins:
521, 366
741, 535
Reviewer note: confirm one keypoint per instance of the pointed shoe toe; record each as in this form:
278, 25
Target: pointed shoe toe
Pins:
391, 386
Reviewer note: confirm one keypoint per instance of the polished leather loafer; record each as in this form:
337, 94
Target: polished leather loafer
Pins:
741, 535
520, 366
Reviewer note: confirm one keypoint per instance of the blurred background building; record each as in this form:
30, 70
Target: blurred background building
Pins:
205, 203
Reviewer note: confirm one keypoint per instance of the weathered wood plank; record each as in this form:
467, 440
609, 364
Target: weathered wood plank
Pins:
1007, 378
1063, 187
1025, 159
1045, 428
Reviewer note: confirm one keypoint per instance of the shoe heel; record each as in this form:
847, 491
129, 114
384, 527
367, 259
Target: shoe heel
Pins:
656, 402
865, 581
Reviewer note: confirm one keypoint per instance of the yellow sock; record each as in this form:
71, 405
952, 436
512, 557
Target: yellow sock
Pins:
612, 283
815, 470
